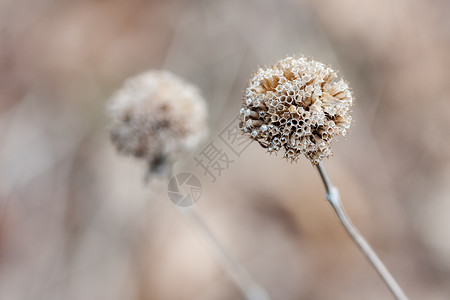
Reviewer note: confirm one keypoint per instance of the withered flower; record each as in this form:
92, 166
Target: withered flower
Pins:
299, 105
155, 116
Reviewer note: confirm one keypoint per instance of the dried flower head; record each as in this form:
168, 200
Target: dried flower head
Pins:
299, 105
155, 116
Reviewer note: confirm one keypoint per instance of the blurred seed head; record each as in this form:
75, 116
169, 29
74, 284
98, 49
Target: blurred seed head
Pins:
156, 116
299, 105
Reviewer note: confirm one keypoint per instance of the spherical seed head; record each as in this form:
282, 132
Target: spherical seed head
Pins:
299, 105
155, 116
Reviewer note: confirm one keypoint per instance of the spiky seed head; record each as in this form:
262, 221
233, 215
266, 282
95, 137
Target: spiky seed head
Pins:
298, 105
155, 116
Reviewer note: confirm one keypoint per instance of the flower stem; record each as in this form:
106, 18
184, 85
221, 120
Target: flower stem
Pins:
250, 289
335, 200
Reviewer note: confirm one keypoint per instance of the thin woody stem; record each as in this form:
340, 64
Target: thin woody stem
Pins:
250, 289
335, 200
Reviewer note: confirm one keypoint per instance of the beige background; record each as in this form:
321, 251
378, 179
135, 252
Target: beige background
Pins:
77, 221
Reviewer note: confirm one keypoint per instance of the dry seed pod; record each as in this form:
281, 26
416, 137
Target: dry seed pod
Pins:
155, 116
302, 92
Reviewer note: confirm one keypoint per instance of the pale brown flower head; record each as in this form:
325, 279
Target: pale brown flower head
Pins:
299, 105
155, 116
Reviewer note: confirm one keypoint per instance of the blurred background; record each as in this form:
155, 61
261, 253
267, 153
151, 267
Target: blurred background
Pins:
77, 221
